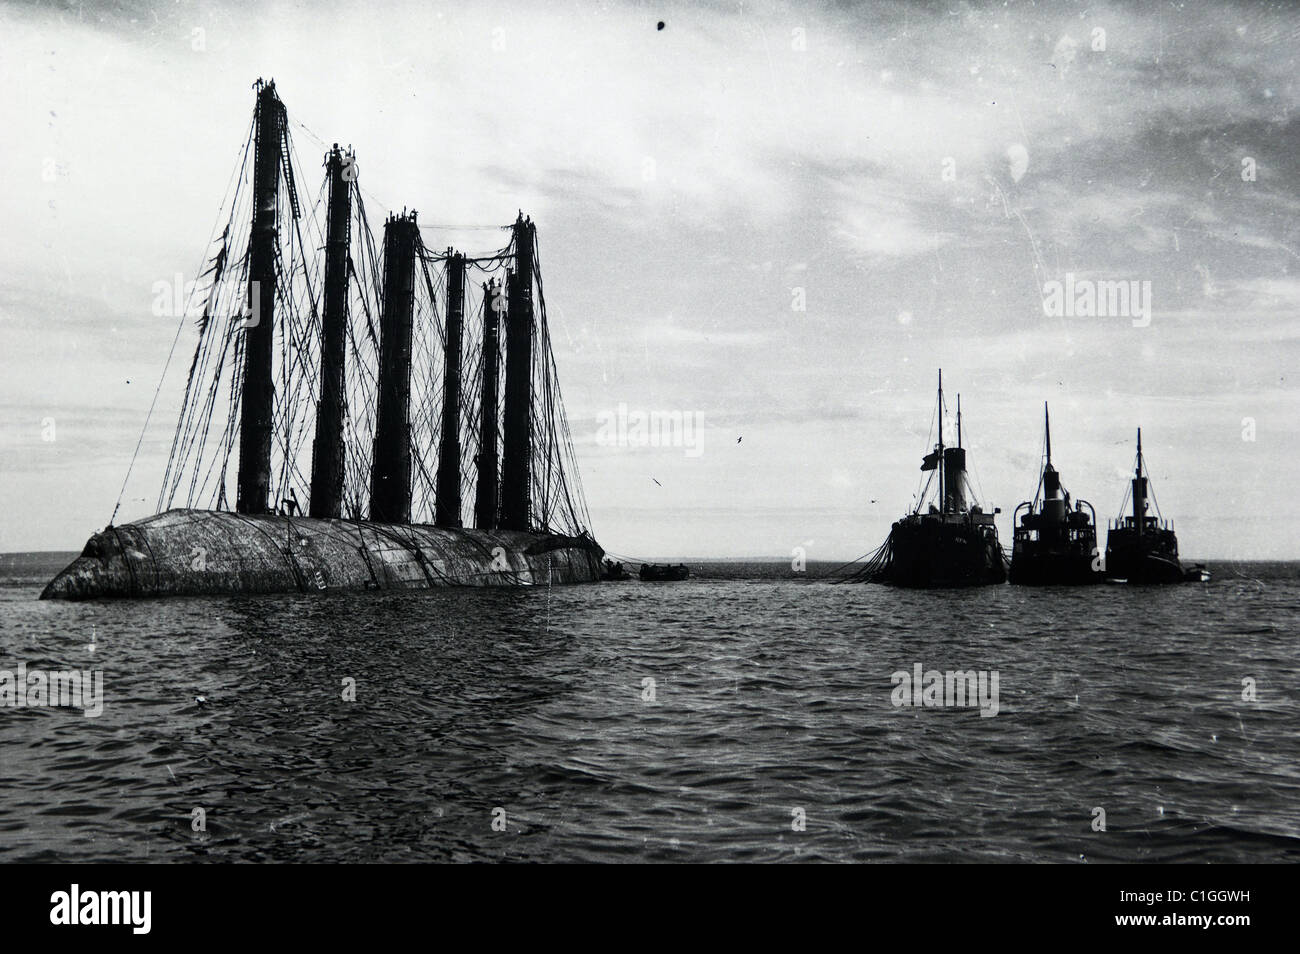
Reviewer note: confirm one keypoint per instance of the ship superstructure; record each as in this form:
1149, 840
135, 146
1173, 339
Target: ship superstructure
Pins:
1054, 542
948, 540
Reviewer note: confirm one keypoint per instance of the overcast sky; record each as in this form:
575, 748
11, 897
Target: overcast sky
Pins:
914, 174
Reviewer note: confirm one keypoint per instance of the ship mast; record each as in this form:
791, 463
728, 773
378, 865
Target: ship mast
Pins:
1139, 490
943, 501
293, 362
327, 451
485, 496
1053, 508
447, 500
390, 471
258, 391
516, 457
1047, 430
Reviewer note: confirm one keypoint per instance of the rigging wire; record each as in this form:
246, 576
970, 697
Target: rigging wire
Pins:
200, 457
180, 326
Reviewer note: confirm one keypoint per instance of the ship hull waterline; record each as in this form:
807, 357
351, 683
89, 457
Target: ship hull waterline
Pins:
929, 553
1150, 568
1147, 558
1037, 564
204, 552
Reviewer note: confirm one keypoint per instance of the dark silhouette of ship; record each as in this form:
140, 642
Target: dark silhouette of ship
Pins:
1054, 544
947, 540
307, 334
614, 571
1142, 547
664, 573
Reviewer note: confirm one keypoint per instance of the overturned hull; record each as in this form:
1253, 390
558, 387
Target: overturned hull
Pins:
198, 552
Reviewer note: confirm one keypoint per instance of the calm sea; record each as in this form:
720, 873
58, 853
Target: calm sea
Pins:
744, 715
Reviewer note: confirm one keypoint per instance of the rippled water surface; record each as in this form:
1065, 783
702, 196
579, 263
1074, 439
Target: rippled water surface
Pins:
770, 695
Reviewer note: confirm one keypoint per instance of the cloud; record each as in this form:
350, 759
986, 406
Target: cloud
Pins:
874, 224
703, 172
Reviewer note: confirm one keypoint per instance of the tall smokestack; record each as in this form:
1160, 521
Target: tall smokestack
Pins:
390, 472
485, 499
516, 458
447, 509
327, 451
954, 469
258, 396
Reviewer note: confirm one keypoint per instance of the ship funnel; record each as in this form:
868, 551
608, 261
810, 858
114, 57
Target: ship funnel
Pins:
954, 466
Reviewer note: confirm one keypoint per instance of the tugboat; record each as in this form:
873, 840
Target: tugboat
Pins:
1141, 548
953, 542
1054, 545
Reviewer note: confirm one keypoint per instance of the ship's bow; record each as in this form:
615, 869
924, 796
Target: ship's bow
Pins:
100, 571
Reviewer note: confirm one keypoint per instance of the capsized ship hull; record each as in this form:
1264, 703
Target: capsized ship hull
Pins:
206, 552
292, 370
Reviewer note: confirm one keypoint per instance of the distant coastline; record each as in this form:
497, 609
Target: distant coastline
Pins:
24, 557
